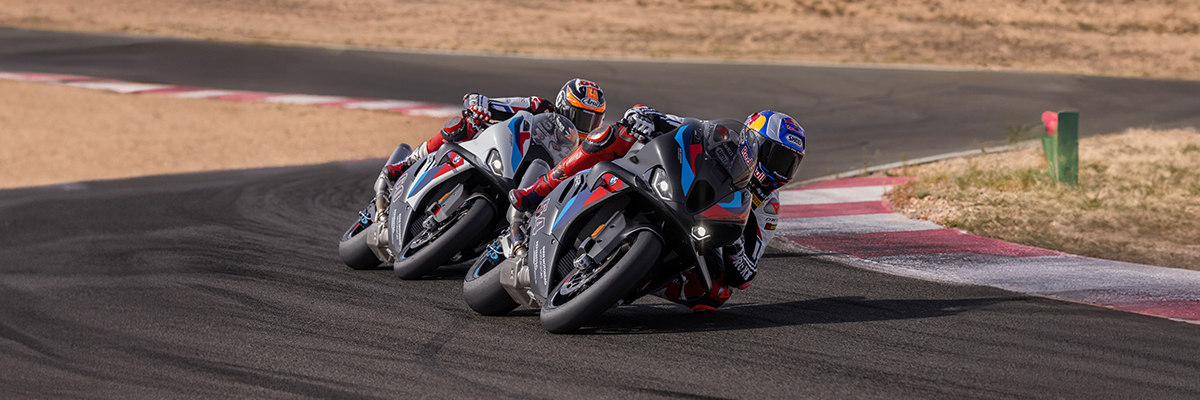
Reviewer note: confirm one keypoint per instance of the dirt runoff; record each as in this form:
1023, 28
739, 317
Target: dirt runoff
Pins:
1144, 38
53, 134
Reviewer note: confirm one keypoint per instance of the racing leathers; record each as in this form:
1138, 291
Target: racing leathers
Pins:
478, 111
640, 123
732, 266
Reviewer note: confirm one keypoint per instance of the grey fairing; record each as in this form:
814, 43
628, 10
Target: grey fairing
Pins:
549, 138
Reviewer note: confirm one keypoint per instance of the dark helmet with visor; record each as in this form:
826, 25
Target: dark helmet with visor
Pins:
781, 150
582, 102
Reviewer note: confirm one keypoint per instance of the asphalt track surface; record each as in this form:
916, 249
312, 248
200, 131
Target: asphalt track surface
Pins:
227, 284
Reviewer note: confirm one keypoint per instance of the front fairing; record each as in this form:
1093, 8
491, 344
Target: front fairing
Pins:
700, 194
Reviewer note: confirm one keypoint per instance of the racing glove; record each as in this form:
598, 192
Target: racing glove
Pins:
478, 109
640, 120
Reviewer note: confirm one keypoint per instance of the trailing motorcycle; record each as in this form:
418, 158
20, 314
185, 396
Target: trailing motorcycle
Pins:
446, 205
622, 229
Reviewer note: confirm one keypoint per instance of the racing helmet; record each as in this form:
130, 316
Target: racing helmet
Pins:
781, 148
582, 102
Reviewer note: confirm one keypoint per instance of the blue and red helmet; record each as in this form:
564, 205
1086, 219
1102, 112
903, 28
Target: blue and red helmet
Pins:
781, 150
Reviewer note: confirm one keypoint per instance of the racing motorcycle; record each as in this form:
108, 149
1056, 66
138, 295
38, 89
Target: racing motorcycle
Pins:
450, 202
621, 230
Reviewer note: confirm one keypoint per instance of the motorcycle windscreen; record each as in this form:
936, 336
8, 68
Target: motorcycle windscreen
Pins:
555, 133
724, 165
733, 152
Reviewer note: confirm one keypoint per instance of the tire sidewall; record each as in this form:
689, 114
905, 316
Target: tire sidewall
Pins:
484, 294
355, 252
477, 222
609, 289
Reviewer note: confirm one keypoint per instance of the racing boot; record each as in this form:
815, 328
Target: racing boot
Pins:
688, 289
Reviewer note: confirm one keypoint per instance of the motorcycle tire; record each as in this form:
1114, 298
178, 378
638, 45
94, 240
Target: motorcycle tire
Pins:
355, 252
465, 231
482, 290
617, 281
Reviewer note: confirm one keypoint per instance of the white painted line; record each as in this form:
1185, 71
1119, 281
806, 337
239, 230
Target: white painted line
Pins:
1071, 278
382, 104
41, 78
445, 112
830, 196
119, 87
303, 99
852, 224
204, 94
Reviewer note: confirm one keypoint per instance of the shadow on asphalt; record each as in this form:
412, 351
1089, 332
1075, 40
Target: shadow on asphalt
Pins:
671, 318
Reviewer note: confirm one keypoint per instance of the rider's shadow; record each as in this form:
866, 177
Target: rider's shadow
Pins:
672, 318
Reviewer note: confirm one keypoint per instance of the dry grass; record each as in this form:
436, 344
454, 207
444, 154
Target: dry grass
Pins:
54, 134
1138, 199
1151, 38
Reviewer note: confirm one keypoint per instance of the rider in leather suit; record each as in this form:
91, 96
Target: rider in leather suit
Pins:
780, 154
579, 100
735, 265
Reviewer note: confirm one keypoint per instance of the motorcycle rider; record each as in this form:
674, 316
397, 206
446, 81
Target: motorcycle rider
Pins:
581, 101
780, 153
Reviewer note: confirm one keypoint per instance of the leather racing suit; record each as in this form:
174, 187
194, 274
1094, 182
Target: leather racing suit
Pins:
466, 127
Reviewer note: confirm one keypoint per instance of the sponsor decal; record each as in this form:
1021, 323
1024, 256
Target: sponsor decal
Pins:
770, 227
795, 140
539, 263
539, 219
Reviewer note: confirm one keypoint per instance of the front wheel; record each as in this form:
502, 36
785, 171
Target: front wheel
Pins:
482, 289
583, 295
353, 248
444, 241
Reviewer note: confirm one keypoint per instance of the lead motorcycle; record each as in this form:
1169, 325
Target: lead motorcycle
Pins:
446, 205
622, 229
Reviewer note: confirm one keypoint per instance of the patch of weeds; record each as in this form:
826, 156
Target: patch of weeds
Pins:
1190, 148
1096, 167
954, 222
1091, 203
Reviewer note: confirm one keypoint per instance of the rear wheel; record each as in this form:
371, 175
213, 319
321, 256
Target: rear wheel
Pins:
584, 294
353, 248
482, 290
430, 248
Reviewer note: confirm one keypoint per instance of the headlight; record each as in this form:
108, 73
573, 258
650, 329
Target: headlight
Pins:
699, 232
493, 162
662, 187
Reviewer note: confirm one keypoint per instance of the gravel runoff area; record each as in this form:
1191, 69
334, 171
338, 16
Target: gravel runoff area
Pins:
1146, 38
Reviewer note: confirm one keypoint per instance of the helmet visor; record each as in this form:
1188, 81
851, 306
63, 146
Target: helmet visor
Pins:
779, 160
584, 120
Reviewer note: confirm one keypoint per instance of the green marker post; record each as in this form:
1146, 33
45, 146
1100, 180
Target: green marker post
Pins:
1060, 145
1068, 148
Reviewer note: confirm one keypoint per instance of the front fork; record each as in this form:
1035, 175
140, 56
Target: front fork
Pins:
514, 270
